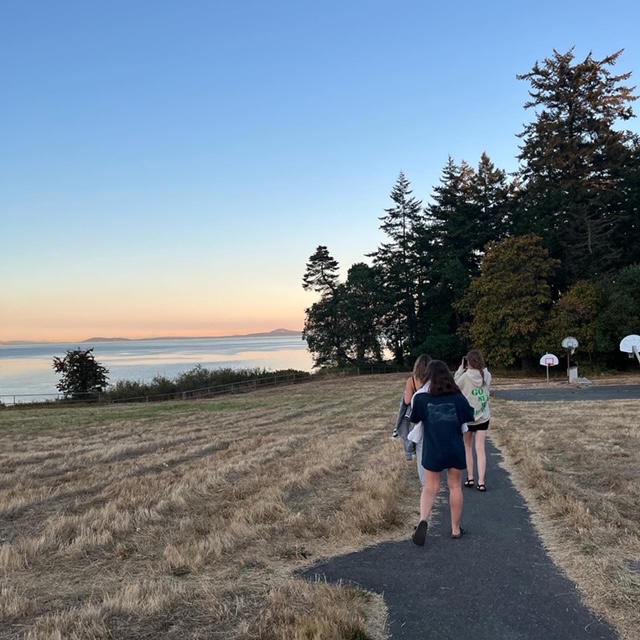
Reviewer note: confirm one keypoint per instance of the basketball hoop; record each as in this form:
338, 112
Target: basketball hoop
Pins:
631, 345
549, 360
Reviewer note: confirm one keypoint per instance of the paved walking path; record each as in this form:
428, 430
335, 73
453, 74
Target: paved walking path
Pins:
571, 393
495, 583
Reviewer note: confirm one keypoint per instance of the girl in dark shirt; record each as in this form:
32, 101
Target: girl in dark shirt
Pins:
442, 410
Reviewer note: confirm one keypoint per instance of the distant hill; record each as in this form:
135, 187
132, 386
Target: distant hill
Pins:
276, 333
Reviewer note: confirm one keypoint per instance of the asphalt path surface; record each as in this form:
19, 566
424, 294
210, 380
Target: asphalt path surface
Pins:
496, 583
571, 393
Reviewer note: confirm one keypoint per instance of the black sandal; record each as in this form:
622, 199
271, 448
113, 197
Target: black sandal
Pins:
459, 535
481, 487
470, 482
420, 534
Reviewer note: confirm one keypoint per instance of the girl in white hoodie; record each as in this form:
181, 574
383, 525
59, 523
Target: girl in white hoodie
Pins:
474, 381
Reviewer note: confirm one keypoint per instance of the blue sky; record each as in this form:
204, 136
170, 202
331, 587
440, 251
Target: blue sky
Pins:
167, 168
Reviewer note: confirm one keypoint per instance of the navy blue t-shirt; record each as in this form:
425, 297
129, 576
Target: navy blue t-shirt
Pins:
442, 418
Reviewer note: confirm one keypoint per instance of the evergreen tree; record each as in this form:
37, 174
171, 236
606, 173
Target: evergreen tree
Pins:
399, 265
626, 237
363, 307
81, 373
321, 275
469, 208
325, 333
324, 327
572, 161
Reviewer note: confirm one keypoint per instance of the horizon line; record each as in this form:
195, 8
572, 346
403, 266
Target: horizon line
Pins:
274, 333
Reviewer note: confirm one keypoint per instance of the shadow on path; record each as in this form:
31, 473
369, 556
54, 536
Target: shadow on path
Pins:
495, 583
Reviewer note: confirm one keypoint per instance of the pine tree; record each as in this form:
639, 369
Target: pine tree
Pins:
363, 307
572, 161
321, 275
399, 264
324, 328
81, 373
469, 208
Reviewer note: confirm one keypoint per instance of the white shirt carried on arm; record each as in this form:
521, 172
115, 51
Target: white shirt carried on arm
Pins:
417, 433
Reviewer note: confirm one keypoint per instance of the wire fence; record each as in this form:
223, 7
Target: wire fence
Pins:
243, 386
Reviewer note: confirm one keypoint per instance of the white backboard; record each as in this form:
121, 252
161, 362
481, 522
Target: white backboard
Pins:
631, 345
627, 344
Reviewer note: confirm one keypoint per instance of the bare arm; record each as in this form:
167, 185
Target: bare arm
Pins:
409, 390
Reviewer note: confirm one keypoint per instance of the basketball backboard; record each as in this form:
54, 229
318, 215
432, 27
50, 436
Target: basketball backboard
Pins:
631, 345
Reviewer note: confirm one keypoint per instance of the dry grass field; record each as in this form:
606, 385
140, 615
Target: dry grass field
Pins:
188, 520
577, 465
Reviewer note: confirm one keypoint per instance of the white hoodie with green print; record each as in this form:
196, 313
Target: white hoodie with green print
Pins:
476, 391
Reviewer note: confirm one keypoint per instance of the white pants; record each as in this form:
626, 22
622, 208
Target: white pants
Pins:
421, 470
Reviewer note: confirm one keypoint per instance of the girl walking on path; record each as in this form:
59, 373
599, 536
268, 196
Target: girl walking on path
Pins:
442, 410
420, 375
474, 381
414, 384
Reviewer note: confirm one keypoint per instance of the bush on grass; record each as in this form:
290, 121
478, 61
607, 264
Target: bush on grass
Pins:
192, 380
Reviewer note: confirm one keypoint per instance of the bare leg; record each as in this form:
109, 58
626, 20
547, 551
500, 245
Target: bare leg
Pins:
429, 493
481, 438
468, 451
454, 480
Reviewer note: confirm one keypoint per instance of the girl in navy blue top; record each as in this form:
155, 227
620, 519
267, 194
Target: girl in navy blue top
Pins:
442, 410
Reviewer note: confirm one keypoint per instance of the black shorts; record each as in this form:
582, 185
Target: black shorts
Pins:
483, 426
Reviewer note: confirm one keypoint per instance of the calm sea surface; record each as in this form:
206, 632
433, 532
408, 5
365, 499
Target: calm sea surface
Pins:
26, 369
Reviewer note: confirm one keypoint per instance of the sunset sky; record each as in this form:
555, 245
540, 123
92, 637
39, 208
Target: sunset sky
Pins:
167, 168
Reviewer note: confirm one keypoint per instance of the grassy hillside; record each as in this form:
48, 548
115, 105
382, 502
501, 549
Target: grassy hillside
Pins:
183, 520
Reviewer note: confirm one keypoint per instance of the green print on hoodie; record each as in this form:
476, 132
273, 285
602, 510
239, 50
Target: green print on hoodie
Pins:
475, 391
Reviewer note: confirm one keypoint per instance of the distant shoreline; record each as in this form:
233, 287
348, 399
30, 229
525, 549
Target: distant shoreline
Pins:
276, 333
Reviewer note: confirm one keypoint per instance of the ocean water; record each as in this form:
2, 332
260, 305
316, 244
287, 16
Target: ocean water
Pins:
27, 369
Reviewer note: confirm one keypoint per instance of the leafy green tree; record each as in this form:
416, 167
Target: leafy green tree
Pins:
398, 262
510, 301
621, 310
572, 162
81, 373
575, 314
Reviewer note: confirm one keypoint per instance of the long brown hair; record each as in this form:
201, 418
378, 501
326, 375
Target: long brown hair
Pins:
476, 361
441, 382
420, 368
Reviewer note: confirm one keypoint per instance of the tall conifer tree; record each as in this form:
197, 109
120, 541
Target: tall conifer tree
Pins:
572, 161
398, 262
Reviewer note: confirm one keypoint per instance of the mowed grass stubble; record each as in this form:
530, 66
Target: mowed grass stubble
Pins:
189, 519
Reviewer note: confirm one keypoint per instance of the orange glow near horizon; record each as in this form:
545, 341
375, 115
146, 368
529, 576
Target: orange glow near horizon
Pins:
137, 332
63, 317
